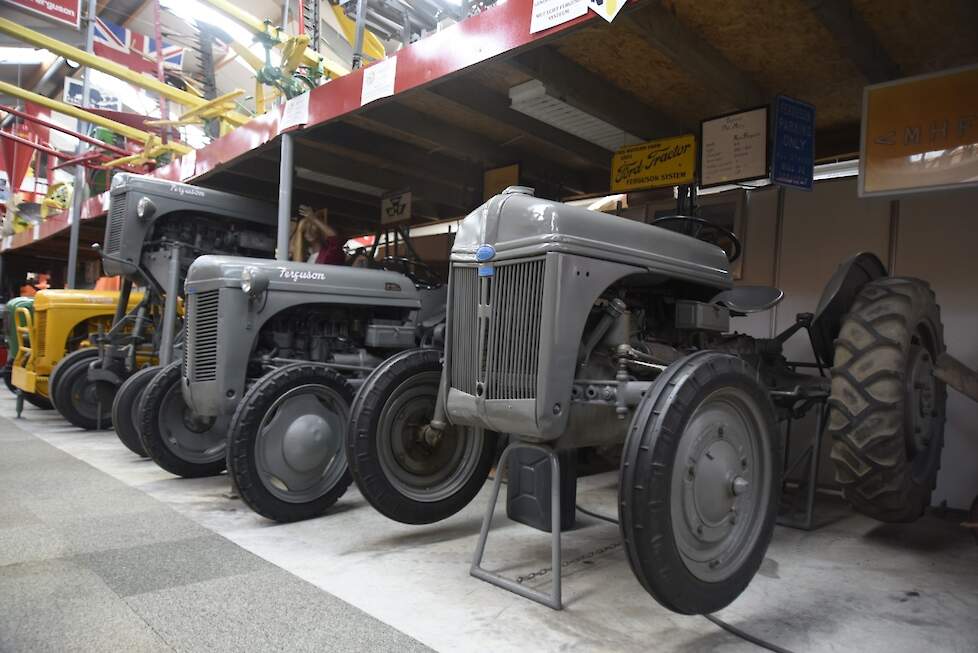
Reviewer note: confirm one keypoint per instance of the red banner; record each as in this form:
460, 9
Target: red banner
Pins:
67, 12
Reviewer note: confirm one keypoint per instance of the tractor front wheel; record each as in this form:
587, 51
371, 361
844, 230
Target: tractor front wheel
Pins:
887, 407
125, 409
286, 455
406, 470
178, 440
75, 395
699, 483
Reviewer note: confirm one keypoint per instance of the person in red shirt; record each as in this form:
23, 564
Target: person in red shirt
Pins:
316, 241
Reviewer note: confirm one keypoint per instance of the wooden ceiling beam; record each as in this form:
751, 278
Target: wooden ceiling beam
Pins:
480, 99
691, 53
571, 82
463, 144
855, 38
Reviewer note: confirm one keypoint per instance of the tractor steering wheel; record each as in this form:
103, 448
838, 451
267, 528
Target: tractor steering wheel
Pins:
418, 272
704, 230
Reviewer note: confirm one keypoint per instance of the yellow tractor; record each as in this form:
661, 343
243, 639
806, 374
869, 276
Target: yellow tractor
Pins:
61, 326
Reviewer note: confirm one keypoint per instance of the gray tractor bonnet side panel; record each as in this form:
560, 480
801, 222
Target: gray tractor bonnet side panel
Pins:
240, 318
125, 233
519, 225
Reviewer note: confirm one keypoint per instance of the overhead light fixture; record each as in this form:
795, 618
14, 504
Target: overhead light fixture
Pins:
531, 98
339, 182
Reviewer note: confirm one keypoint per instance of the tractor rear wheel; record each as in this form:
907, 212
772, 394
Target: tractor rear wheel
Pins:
125, 409
286, 455
699, 483
76, 399
887, 407
403, 472
178, 440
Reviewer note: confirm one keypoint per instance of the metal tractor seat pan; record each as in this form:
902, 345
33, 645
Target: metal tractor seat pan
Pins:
749, 299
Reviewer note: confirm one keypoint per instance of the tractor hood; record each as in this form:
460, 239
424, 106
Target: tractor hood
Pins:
46, 299
517, 225
360, 285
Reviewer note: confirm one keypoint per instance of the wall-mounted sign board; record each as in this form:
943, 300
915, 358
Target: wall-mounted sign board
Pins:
920, 133
395, 208
733, 147
655, 164
496, 180
793, 147
67, 12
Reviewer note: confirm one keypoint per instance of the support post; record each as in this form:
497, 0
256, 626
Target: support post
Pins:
285, 172
78, 190
361, 26
170, 307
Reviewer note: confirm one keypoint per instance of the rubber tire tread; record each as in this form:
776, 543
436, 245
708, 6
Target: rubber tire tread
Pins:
647, 462
149, 432
362, 444
243, 431
67, 376
868, 400
127, 398
66, 361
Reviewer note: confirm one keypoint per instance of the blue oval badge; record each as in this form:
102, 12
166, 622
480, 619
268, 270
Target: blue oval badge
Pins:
485, 253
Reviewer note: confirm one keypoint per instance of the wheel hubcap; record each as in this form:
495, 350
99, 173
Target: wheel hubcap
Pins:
922, 399
299, 451
721, 484
419, 463
192, 438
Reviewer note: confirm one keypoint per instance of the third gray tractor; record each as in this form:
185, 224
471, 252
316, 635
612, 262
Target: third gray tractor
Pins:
568, 328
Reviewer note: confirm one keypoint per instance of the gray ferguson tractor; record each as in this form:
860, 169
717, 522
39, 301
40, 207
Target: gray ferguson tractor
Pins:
568, 328
153, 231
274, 352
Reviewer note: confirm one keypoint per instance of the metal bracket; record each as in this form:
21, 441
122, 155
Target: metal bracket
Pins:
553, 598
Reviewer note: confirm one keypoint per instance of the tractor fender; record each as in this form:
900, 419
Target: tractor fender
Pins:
837, 298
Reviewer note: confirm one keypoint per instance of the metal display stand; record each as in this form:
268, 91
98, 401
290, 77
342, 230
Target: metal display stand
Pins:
553, 598
799, 512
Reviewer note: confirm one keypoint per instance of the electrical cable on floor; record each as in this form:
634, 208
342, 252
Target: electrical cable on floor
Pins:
733, 630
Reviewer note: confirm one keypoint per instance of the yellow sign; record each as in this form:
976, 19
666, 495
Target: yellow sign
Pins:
920, 133
664, 162
497, 180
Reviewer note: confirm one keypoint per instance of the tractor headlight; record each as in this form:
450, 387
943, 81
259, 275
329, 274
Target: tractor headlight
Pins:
145, 209
253, 282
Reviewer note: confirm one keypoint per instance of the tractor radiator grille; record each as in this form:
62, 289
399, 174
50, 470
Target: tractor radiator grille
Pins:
501, 349
200, 349
465, 328
39, 347
117, 218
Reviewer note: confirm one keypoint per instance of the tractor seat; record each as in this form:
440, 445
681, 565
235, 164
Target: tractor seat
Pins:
749, 299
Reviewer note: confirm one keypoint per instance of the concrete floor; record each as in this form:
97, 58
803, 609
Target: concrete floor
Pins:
852, 585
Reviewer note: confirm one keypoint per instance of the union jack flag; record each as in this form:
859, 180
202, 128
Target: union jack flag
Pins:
134, 50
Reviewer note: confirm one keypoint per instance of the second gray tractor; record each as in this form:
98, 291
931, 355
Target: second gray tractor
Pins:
274, 353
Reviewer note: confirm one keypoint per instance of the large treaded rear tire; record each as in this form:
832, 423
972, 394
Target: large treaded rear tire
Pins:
873, 420
243, 441
376, 479
125, 409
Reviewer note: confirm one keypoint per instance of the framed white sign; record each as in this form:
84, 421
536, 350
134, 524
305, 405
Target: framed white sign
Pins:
733, 147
